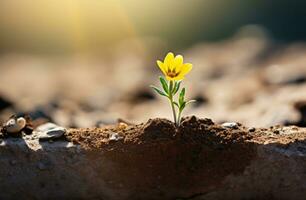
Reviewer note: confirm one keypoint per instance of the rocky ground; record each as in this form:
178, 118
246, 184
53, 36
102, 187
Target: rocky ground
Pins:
155, 160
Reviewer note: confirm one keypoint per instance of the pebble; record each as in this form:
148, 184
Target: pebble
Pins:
252, 129
115, 137
122, 126
49, 131
230, 125
15, 125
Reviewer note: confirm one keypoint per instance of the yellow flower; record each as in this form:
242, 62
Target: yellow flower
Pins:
173, 67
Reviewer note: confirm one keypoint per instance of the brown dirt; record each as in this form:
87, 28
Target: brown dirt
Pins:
158, 158
279, 134
192, 129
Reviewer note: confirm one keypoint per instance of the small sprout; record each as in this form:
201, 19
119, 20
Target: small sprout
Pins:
174, 71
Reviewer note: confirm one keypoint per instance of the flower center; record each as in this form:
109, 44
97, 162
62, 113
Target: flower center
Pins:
172, 73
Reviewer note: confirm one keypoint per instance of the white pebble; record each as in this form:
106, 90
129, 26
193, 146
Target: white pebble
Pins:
115, 137
230, 124
15, 126
49, 131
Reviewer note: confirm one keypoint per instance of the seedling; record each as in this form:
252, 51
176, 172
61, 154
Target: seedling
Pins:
174, 70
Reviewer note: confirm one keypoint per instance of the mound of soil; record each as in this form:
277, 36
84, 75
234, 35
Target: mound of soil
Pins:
192, 129
160, 160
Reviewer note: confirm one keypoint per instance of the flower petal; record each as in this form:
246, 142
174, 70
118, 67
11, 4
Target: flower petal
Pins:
169, 60
179, 77
178, 62
162, 67
185, 69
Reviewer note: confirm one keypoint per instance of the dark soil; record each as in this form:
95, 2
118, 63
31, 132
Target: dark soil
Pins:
157, 157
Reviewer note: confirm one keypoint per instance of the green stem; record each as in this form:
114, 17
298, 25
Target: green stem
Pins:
171, 102
179, 118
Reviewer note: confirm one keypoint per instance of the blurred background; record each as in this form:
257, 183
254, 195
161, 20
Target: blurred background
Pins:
54, 26
88, 63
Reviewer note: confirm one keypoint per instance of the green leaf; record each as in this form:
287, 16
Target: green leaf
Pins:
158, 91
164, 84
181, 97
177, 87
182, 106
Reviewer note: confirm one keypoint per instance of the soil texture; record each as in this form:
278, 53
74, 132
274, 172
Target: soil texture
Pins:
158, 158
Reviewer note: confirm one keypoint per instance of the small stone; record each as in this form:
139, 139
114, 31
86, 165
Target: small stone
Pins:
252, 129
115, 137
122, 126
49, 131
230, 125
14, 125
